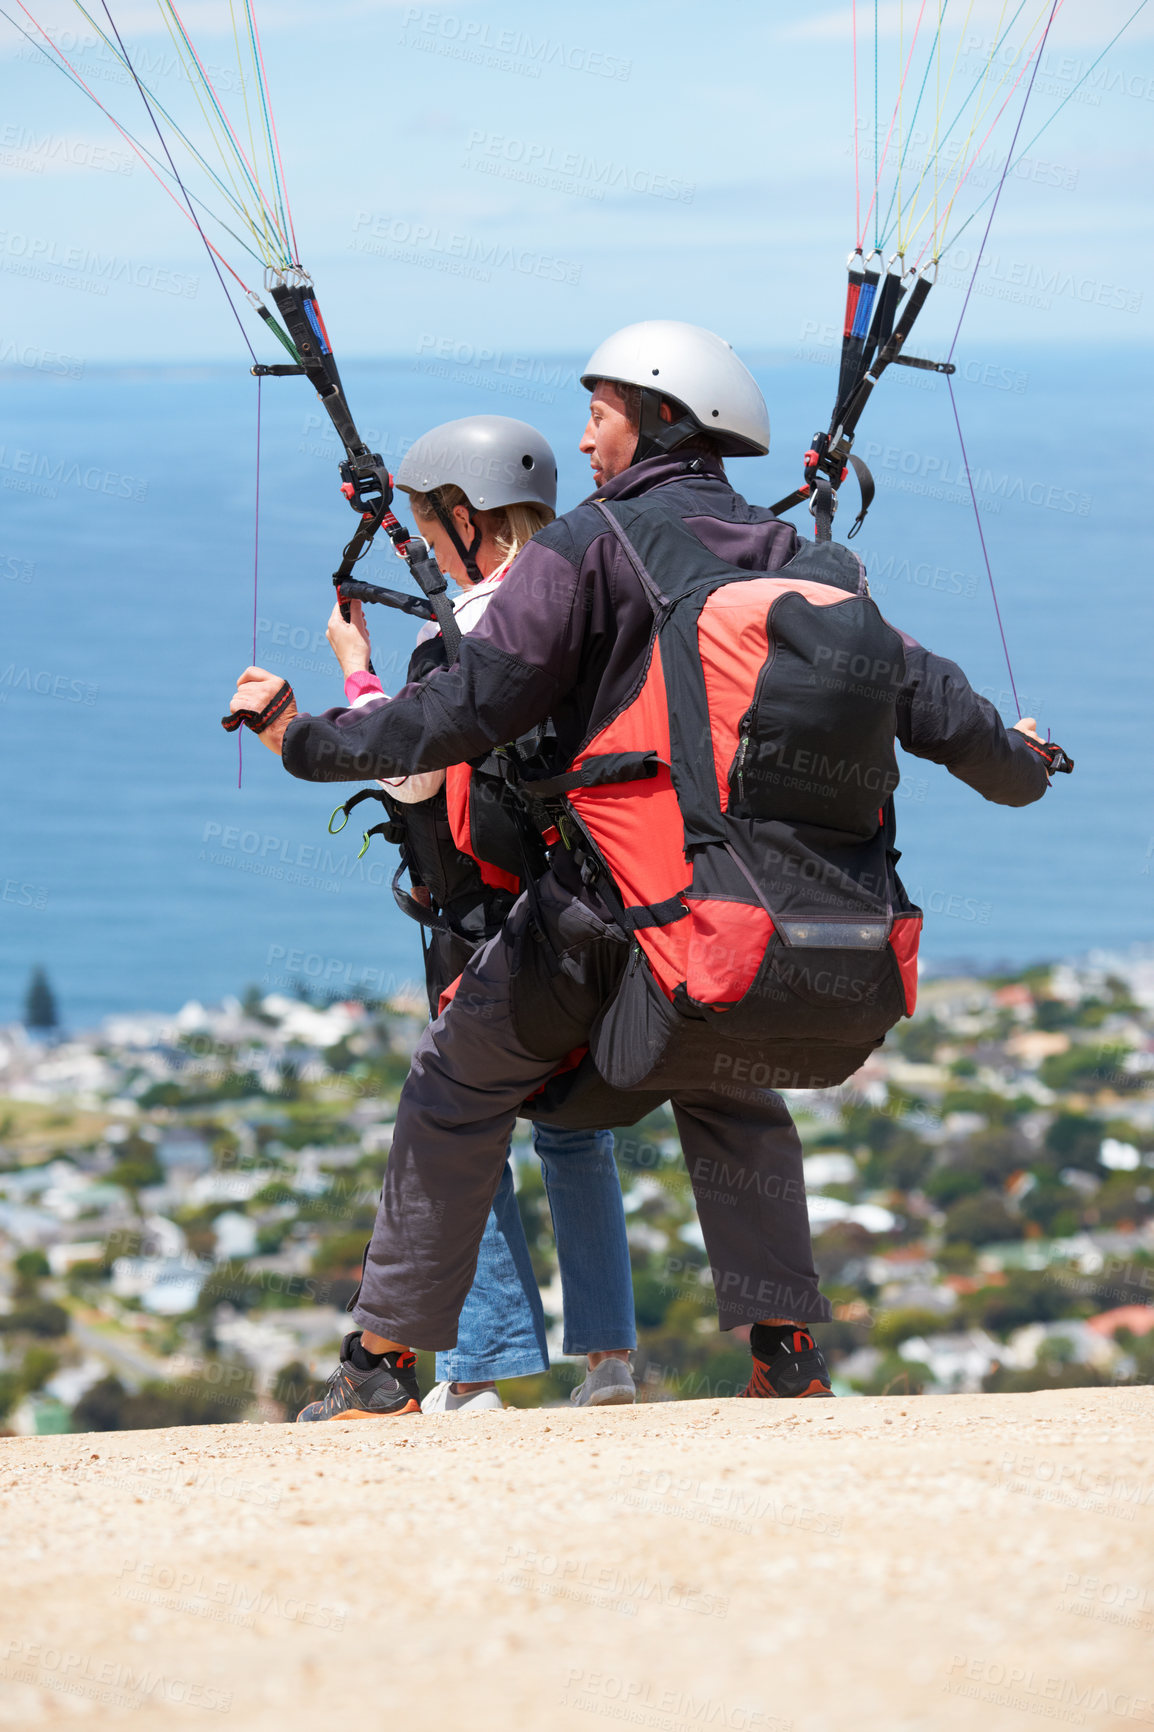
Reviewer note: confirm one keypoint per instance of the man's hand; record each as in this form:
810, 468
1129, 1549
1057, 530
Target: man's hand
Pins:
350, 639
1056, 759
255, 689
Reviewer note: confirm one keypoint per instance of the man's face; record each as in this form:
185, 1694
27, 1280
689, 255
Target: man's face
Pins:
610, 437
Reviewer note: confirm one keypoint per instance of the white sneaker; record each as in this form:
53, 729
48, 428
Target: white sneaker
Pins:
609, 1384
441, 1399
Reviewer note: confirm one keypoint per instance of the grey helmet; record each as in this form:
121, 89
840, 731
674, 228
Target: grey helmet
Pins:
696, 369
494, 460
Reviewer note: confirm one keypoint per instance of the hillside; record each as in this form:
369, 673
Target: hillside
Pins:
185, 1199
895, 1564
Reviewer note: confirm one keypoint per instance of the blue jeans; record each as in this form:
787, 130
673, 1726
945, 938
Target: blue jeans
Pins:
502, 1327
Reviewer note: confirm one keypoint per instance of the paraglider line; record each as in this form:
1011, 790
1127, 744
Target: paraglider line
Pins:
1005, 173
227, 296
255, 577
262, 85
256, 524
1070, 94
856, 137
953, 346
64, 65
176, 176
982, 539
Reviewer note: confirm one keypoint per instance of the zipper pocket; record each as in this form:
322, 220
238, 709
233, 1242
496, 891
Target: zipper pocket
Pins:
739, 762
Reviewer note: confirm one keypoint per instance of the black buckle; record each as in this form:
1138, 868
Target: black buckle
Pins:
1059, 763
367, 484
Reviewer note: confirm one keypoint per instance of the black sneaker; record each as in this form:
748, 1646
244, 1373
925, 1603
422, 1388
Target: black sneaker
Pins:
385, 1392
796, 1370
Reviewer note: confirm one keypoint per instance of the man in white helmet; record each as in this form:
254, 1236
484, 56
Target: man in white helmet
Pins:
570, 637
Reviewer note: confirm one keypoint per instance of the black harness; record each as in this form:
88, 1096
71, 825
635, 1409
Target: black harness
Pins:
365, 482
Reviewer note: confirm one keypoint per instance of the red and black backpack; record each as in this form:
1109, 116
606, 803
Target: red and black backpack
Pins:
737, 814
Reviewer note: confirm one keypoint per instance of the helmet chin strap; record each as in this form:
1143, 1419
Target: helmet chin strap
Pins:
467, 555
655, 436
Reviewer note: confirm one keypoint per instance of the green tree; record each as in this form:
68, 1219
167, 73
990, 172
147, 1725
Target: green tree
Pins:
899, 1159
339, 1254
1125, 1197
40, 1003
1141, 1347
994, 1155
896, 1376
35, 1317
946, 1184
1056, 1208
1026, 1296
840, 1253
894, 1327
295, 1386
252, 1003
40, 1363
920, 1039
1088, 1067
108, 1406
100, 1408
1045, 1375
1072, 1140
651, 1299
136, 1164
982, 1219
31, 1268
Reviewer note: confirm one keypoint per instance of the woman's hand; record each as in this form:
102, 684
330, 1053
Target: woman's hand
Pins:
350, 639
255, 689
1029, 726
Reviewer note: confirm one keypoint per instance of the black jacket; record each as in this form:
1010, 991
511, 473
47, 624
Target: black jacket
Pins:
567, 634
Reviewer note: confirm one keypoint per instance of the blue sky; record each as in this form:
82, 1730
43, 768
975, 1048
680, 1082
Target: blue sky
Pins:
411, 135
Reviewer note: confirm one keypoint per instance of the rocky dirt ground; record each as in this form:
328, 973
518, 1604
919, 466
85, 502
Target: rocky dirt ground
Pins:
961, 1562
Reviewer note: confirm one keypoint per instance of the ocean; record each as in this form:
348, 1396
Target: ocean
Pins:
139, 875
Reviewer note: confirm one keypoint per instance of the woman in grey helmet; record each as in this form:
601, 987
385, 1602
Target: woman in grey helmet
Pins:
479, 489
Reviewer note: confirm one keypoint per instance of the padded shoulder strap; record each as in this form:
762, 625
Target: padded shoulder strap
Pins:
684, 675
827, 562
657, 600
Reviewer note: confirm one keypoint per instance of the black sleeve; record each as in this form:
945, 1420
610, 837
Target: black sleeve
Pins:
942, 717
453, 715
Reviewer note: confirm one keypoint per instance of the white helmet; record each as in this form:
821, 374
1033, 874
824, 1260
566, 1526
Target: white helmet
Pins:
494, 460
696, 369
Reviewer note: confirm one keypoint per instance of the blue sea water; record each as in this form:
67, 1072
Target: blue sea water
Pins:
139, 875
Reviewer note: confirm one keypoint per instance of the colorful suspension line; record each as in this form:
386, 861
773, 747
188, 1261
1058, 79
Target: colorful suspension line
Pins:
946, 165
240, 326
146, 156
157, 168
1069, 96
274, 227
265, 228
954, 344
940, 135
265, 211
882, 304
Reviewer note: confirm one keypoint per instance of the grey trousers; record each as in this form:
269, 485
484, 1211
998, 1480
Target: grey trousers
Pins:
514, 1017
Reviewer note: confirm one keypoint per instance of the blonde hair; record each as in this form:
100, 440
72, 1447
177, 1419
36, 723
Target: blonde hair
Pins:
510, 526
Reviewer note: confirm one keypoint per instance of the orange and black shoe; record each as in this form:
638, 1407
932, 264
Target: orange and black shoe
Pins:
381, 1386
787, 1365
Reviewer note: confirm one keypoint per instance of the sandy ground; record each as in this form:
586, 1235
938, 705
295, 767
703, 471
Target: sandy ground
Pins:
975, 1561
